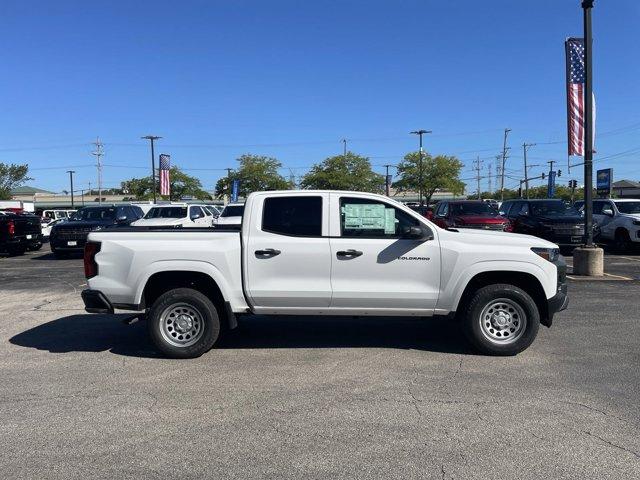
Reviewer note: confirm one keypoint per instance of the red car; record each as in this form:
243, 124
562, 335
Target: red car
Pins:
469, 214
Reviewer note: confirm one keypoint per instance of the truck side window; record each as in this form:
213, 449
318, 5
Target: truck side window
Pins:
361, 217
295, 215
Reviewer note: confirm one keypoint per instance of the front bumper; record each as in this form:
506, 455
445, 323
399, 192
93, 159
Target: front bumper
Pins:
96, 302
560, 300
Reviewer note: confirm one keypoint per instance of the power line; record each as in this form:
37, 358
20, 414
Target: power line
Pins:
98, 153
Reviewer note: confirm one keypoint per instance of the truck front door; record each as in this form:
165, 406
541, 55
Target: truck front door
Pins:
288, 263
375, 264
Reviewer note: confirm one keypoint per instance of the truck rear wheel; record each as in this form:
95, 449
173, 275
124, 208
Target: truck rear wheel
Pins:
501, 319
183, 323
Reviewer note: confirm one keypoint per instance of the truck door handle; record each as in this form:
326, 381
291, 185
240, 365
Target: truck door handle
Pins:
267, 252
349, 253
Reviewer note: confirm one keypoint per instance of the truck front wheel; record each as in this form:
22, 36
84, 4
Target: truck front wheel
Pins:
501, 319
183, 323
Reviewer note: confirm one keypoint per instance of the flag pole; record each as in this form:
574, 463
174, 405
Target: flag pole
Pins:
587, 5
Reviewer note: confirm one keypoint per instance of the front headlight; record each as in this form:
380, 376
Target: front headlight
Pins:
551, 254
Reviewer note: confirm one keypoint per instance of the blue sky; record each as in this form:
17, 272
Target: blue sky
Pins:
290, 79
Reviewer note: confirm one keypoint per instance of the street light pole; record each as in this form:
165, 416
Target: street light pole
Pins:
71, 172
420, 133
587, 5
152, 138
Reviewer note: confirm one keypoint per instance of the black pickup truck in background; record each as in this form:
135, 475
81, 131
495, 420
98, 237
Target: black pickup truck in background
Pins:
19, 232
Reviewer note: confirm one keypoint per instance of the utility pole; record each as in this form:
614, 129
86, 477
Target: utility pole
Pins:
504, 159
587, 5
153, 138
344, 147
525, 146
99, 153
71, 172
229, 170
387, 184
490, 175
420, 133
477, 167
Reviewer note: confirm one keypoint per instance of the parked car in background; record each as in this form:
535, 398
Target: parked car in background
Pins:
231, 216
49, 215
469, 214
19, 232
215, 213
425, 210
47, 227
551, 219
176, 215
618, 220
70, 236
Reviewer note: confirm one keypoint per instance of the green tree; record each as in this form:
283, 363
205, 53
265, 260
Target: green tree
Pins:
256, 173
12, 176
344, 172
182, 185
441, 172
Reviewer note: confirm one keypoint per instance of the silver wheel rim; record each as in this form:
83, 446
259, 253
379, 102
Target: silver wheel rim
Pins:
503, 321
181, 325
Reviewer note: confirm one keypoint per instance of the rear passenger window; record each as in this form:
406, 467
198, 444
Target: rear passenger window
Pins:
298, 216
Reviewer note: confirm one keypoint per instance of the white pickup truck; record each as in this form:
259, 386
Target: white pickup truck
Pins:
325, 253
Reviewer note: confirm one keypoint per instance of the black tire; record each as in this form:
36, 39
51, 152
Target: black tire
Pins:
16, 251
622, 242
201, 313
35, 247
520, 329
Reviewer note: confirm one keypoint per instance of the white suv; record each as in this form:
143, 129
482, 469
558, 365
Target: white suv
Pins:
186, 216
619, 221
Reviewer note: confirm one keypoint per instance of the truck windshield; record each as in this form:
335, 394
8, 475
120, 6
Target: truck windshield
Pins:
167, 212
470, 208
628, 207
232, 211
553, 207
99, 213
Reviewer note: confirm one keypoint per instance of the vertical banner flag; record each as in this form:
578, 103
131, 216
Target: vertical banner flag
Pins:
551, 186
235, 186
165, 165
574, 49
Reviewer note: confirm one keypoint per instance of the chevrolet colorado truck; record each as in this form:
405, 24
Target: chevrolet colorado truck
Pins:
325, 253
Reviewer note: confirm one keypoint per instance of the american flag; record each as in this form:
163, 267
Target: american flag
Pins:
575, 95
165, 165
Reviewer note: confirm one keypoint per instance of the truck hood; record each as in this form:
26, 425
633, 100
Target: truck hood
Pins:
497, 238
74, 224
635, 216
561, 219
157, 222
479, 219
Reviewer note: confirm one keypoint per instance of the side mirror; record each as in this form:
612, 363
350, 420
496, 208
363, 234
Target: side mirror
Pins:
412, 232
196, 216
121, 219
607, 211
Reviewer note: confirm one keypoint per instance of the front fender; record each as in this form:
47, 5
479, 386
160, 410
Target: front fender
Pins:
453, 290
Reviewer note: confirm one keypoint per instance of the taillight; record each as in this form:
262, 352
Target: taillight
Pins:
12, 228
90, 265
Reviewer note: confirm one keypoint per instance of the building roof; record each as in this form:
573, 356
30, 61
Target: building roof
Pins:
625, 184
27, 190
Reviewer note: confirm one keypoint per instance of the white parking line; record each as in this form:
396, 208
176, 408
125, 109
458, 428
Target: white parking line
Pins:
630, 258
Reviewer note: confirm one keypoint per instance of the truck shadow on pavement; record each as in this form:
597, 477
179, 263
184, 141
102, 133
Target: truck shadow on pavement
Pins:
98, 333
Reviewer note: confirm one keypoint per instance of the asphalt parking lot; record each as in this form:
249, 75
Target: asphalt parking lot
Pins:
85, 396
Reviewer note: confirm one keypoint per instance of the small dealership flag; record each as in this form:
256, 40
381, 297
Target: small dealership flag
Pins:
165, 165
574, 48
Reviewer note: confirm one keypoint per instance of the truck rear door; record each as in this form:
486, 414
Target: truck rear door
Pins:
287, 257
374, 266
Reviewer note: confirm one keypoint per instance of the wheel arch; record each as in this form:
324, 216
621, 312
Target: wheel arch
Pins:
160, 282
524, 280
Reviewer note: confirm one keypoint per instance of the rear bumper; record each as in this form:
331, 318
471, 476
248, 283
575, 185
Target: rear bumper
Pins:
96, 302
